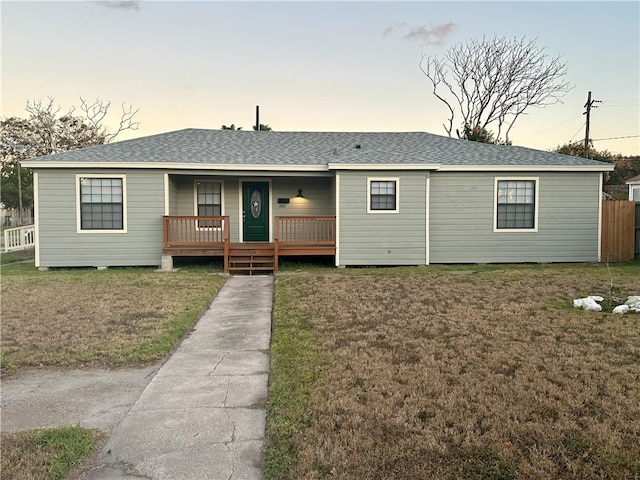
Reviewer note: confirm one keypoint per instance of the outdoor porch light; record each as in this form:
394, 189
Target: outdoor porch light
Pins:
299, 195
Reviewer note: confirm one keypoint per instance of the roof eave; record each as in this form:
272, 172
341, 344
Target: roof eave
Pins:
385, 166
175, 166
527, 168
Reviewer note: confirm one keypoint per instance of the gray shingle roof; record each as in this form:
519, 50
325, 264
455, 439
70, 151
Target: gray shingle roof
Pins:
246, 148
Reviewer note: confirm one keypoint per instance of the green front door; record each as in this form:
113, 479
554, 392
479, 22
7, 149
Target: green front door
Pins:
255, 211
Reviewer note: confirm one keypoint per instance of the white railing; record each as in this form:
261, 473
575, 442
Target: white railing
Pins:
19, 238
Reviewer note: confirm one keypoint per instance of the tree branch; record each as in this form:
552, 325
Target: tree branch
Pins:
494, 81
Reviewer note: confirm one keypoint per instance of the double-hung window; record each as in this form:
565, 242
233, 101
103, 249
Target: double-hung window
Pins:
101, 203
516, 206
208, 202
382, 195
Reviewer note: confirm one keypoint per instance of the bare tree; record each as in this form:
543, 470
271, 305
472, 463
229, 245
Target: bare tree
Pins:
58, 132
97, 111
50, 130
493, 81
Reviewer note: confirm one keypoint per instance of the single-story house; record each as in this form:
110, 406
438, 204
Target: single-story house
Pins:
364, 199
634, 188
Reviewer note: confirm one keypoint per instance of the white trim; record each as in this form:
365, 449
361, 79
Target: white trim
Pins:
535, 210
320, 168
526, 168
632, 188
179, 166
195, 192
384, 166
427, 216
383, 179
36, 217
124, 202
337, 205
166, 194
242, 181
600, 182
196, 181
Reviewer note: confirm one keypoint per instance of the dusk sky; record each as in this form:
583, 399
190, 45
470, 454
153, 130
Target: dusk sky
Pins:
313, 66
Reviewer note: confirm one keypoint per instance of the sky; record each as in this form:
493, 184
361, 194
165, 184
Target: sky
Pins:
313, 66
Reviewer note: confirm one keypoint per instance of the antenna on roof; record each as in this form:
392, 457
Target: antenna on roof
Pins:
258, 118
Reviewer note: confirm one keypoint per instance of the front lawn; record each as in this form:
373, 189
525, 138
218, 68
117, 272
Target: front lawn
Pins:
85, 317
110, 318
441, 373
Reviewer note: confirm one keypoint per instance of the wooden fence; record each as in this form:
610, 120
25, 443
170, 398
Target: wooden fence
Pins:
637, 230
618, 230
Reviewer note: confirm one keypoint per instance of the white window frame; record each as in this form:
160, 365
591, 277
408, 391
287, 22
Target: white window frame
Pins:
195, 199
383, 179
79, 228
536, 206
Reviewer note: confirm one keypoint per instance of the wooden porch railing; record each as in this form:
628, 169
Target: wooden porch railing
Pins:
305, 230
191, 235
188, 232
304, 236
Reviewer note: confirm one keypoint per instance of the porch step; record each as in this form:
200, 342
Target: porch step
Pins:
251, 257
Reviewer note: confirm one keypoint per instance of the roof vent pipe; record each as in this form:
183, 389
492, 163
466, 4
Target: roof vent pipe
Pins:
257, 118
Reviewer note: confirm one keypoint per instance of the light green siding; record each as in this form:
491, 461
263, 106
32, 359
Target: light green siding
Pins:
183, 201
62, 246
382, 238
462, 216
459, 208
316, 194
173, 197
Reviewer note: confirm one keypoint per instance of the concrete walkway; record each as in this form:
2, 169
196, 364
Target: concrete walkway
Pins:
203, 414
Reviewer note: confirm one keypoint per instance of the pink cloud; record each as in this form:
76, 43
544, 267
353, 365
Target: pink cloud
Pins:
431, 35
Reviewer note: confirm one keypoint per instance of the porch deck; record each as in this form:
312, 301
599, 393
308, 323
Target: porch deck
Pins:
209, 236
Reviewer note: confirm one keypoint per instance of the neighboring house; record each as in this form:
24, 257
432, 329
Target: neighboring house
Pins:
363, 198
634, 188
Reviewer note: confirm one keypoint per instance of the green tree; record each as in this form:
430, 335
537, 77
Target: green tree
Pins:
625, 167
477, 134
480, 135
46, 131
230, 127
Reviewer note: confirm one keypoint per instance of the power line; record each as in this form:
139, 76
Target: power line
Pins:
635, 100
628, 105
574, 135
614, 138
554, 126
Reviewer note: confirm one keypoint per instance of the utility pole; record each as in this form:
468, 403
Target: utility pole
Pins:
589, 105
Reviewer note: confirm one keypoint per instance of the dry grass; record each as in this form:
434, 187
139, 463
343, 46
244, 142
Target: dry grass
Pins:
50, 453
98, 318
490, 375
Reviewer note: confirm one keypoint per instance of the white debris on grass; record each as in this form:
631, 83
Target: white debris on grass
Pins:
621, 309
590, 303
633, 302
